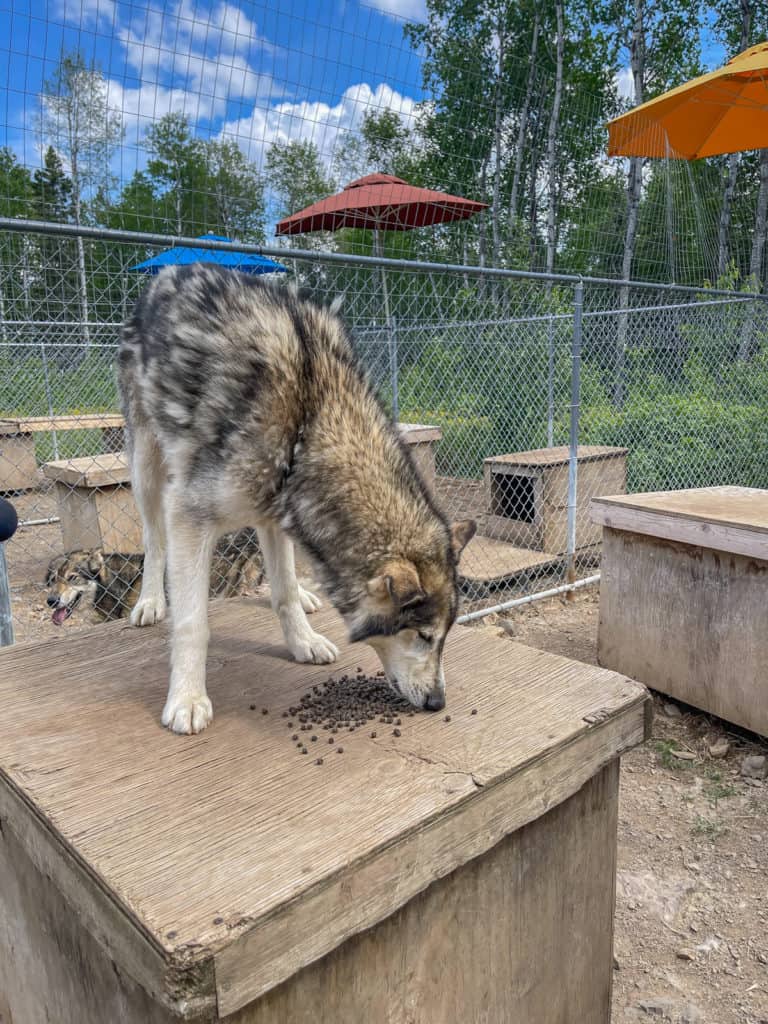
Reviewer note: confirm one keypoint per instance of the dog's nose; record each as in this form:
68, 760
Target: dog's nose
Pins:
52, 601
435, 701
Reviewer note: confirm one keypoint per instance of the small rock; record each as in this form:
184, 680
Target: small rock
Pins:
753, 782
720, 748
755, 766
684, 755
672, 711
684, 953
508, 627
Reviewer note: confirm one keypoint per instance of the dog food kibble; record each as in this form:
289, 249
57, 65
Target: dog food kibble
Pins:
473, 711
265, 711
447, 718
218, 920
171, 935
347, 703
252, 707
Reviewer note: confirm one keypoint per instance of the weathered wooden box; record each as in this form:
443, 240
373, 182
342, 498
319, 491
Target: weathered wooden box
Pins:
461, 872
18, 464
527, 494
684, 596
96, 506
421, 440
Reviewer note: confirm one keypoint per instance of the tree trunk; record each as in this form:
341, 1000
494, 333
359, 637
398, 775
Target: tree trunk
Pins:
733, 163
552, 139
483, 234
634, 190
522, 128
495, 232
81, 275
758, 251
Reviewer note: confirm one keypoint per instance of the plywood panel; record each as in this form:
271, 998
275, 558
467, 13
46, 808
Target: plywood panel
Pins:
222, 844
522, 934
731, 519
688, 621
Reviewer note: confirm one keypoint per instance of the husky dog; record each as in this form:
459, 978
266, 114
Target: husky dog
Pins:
244, 403
112, 581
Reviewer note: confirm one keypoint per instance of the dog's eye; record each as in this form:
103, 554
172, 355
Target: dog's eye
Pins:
427, 639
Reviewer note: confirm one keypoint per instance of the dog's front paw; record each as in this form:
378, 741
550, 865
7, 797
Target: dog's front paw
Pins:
187, 714
148, 610
309, 602
312, 647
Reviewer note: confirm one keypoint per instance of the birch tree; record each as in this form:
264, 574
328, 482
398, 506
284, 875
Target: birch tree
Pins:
76, 120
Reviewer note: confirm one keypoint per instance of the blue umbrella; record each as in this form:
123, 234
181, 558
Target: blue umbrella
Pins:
251, 263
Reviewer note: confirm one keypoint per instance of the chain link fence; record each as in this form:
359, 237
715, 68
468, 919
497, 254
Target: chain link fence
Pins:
521, 398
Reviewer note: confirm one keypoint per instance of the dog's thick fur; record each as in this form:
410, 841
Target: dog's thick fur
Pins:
112, 580
244, 403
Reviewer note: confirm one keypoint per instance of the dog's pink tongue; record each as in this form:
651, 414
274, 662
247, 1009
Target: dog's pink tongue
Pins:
59, 616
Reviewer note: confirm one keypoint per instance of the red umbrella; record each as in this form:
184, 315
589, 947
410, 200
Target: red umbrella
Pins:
381, 202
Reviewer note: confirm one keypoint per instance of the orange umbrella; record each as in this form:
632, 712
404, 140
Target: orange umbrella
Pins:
725, 111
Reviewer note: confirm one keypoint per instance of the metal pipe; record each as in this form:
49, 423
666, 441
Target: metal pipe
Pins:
550, 383
518, 602
394, 369
6, 619
149, 238
39, 522
573, 445
49, 398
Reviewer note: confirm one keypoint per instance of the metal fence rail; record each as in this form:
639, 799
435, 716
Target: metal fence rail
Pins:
544, 392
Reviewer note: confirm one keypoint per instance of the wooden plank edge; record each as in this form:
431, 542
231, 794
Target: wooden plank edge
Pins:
738, 540
282, 943
181, 983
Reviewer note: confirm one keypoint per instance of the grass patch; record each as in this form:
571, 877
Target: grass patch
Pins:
706, 828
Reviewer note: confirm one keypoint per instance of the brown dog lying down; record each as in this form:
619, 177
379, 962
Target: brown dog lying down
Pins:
113, 580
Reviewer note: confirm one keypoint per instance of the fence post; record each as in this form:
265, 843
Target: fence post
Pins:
392, 332
49, 398
551, 382
573, 452
6, 620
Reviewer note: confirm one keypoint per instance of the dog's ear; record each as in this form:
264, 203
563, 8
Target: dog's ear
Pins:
461, 534
92, 565
399, 583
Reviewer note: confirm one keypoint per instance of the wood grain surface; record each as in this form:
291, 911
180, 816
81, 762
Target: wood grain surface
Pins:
287, 857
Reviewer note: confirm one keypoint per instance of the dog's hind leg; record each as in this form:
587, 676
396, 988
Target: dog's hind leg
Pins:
190, 547
148, 482
303, 642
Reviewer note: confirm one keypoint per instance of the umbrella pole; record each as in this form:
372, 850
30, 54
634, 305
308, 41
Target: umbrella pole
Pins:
391, 334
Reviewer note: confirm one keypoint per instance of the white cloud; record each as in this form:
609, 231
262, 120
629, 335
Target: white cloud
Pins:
86, 12
625, 84
315, 121
409, 10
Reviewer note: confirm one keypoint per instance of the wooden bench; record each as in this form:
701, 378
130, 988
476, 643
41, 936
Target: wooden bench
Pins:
96, 506
526, 494
421, 439
463, 871
684, 593
18, 465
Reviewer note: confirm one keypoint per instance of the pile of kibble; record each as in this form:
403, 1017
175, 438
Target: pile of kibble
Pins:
344, 705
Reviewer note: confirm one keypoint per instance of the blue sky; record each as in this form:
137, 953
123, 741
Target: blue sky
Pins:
248, 69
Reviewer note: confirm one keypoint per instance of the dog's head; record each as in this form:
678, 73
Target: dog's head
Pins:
406, 613
69, 578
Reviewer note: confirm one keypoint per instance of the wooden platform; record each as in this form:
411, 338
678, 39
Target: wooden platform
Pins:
684, 580
726, 518
486, 562
205, 871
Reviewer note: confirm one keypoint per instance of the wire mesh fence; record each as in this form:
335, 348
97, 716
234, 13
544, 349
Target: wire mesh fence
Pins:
520, 398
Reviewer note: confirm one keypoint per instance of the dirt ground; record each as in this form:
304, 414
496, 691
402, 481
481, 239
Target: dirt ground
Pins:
691, 939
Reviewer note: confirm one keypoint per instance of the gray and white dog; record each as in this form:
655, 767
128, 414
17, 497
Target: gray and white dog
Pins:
245, 404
